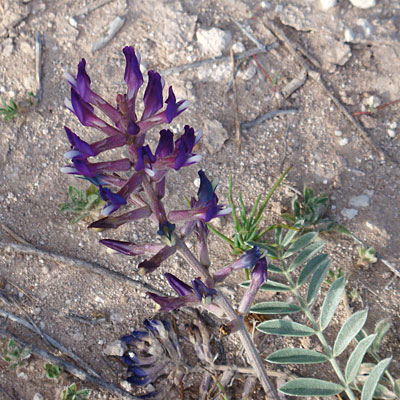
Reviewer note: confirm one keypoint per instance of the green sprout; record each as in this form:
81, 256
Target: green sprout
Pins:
9, 111
14, 355
332, 276
310, 214
82, 202
72, 393
53, 371
367, 256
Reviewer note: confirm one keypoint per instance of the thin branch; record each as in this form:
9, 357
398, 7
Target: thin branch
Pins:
248, 33
72, 369
235, 96
38, 65
80, 264
264, 117
239, 56
49, 339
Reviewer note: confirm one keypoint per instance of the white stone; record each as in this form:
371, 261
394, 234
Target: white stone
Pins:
363, 3
73, 22
349, 213
393, 125
196, 182
391, 133
349, 35
266, 5
359, 201
249, 73
238, 47
37, 396
22, 375
327, 4
116, 348
337, 53
338, 133
373, 101
213, 41
215, 135
343, 141
365, 26
126, 385
116, 317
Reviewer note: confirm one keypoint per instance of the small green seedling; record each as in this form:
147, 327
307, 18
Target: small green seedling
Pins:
82, 202
9, 111
367, 256
14, 355
53, 371
72, 393
332, 276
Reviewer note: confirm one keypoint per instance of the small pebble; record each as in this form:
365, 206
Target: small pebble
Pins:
349, 35
327, 4
391, 133
116, 348
373, 101
22, 375
37, 396
349, 213
393, 125
196, 182
238, 47
359, 201
338, 133
365, 26
363, 3
344, 141
78, 336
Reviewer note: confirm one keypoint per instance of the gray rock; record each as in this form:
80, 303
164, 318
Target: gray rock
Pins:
349, 213
363, 3
391, 133
214, 41
116, 348
373, 101
248, 73
349, 35
215, 135
37, 396
78, 336
359, 201
338, 53
365, 26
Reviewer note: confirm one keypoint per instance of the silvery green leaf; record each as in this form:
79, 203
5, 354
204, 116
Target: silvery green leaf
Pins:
296, 356
373, 379
300, 243
267, 249
397, 387
285, 328
270, 286
349, 330
275, 269
381, 329
316, 281
306, 254
291, 233
310, 387
310, 267
382, 392
356, 358
332, 300
275, 307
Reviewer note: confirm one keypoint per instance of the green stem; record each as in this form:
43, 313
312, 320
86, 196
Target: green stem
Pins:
318, 332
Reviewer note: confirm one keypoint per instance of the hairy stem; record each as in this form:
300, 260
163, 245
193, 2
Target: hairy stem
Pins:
318, 333
221, 301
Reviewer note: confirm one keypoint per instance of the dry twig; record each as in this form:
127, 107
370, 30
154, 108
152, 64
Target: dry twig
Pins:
38, 65
271, 114
236, 108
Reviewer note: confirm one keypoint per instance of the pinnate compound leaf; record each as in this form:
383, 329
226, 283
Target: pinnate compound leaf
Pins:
373, 379
306, 254
310, 267
356, 358
349, 330
275, 307
310, 387
296, 356
316, 281
285, 328
291, 233
300, 243
331, 302
270, 286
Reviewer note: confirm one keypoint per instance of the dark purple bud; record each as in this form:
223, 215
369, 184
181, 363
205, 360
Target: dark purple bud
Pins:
160, 188
153, 98
115, 222
83, 167
173, 108
133, 77
145, 157
201, 290
154, 262
170, 303
83, 82
133, 128
114, 201
137, 380
134, 336
180, 287
79, 148
132, 249
166, 229
206, 190
166, 144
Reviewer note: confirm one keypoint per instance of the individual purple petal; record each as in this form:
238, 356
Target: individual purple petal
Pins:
133, 128
109, 143
173, 108
84, 111
134, 336
201, 290
160, 188
115, 222
201, 231
132, 249
114, 201
206, 190
180, 287
165, 145
133, 77
145, 157
148, 266
79, 148
83, 82
153, 99
171, 303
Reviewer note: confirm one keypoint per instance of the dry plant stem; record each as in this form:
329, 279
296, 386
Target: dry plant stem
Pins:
50, 340
72, 369
245, 339
38, 67
235, 95
239, 56
318, 333
80, 264
271, 114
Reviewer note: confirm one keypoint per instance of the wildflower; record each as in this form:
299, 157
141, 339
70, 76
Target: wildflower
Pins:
204, 208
